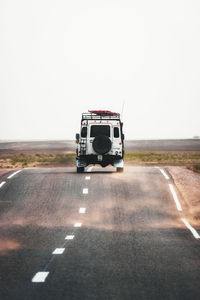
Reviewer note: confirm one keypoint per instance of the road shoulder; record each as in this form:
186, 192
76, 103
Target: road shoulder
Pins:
4, 172
188, 184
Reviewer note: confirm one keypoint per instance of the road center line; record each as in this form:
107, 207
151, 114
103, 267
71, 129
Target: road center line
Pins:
77, 224
40, 277
85, 191
2, 183
13, 174
164, 174
58, 251
82, 210
178, 205
87, 178
194, 232
69, 237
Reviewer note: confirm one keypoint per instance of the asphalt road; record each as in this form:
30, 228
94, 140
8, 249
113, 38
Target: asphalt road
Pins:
130, 145
132, 243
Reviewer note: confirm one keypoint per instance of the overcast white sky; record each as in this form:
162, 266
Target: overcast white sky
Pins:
59, 58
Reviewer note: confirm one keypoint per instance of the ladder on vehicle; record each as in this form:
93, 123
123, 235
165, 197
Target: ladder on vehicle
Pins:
83, 147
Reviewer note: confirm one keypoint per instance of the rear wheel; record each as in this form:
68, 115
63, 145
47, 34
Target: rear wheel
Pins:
80, 169
120, 170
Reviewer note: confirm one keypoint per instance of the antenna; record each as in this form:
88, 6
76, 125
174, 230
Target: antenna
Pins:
122, 108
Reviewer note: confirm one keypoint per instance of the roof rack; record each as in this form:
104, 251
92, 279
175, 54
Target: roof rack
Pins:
100, 115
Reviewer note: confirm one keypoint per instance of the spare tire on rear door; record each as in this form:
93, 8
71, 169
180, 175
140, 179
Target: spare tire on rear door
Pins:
101, 144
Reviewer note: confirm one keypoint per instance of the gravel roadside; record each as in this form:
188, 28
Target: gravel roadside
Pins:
4, 171
188, 183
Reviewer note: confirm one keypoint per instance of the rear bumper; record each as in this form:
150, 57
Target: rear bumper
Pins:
84, 160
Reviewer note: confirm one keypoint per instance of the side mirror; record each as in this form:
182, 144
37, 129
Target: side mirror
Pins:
77, 137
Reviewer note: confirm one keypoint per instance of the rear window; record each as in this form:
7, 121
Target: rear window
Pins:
84, 132
116, 132
100, 130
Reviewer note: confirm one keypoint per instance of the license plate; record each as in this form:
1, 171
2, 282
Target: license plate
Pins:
100, 157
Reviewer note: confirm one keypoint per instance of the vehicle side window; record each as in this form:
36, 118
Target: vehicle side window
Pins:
84, 132
116, 132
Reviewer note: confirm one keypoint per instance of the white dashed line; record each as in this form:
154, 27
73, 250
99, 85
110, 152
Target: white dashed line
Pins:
2, 183
87, 178
69, 237
40, 277
85, 191
194, 232
164, 174
82, 210
77, 224
14, 174
58, 251
178, 205
89, 169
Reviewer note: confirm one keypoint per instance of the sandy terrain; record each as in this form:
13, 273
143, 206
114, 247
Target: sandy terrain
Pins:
130, 145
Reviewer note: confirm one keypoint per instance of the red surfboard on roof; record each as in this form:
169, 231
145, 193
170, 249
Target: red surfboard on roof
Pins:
104, 112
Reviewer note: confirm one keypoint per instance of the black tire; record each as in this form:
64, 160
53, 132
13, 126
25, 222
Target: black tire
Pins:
102, 144
120, 170
80, 169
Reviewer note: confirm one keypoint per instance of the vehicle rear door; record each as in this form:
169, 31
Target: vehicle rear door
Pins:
96, 129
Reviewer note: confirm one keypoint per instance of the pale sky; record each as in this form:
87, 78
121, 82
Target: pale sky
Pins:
59, 58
